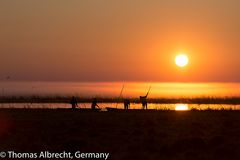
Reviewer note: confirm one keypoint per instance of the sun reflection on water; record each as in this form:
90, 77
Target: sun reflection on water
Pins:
181, 107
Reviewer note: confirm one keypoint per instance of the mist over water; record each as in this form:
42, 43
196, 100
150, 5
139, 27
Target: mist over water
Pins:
112, 89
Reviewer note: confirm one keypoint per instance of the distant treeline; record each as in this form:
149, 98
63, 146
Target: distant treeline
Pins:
66, 99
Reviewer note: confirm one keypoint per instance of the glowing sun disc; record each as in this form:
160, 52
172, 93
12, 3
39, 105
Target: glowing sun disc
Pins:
181, 60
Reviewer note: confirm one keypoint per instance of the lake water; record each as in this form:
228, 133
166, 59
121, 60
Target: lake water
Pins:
131, 89
177, 107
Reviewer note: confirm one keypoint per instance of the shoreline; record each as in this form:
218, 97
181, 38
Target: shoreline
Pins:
126, 135
66, 99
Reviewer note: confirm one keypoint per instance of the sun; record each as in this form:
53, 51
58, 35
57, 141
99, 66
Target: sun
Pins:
181, 60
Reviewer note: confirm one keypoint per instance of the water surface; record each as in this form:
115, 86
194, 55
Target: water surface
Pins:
177, 107
112, 89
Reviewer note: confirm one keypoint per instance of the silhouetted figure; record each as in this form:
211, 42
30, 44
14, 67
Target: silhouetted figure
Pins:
94, 104
74, 103
126, 104
143, 100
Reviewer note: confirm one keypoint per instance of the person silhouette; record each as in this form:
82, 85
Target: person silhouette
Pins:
126, 104
74, 103
143, 100
94, 104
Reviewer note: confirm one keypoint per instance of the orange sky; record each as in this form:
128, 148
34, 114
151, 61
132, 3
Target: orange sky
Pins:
113, 40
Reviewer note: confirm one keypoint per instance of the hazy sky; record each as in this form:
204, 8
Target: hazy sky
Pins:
119, 40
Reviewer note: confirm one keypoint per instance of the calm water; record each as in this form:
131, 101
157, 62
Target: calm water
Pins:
104, 89
178, 107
